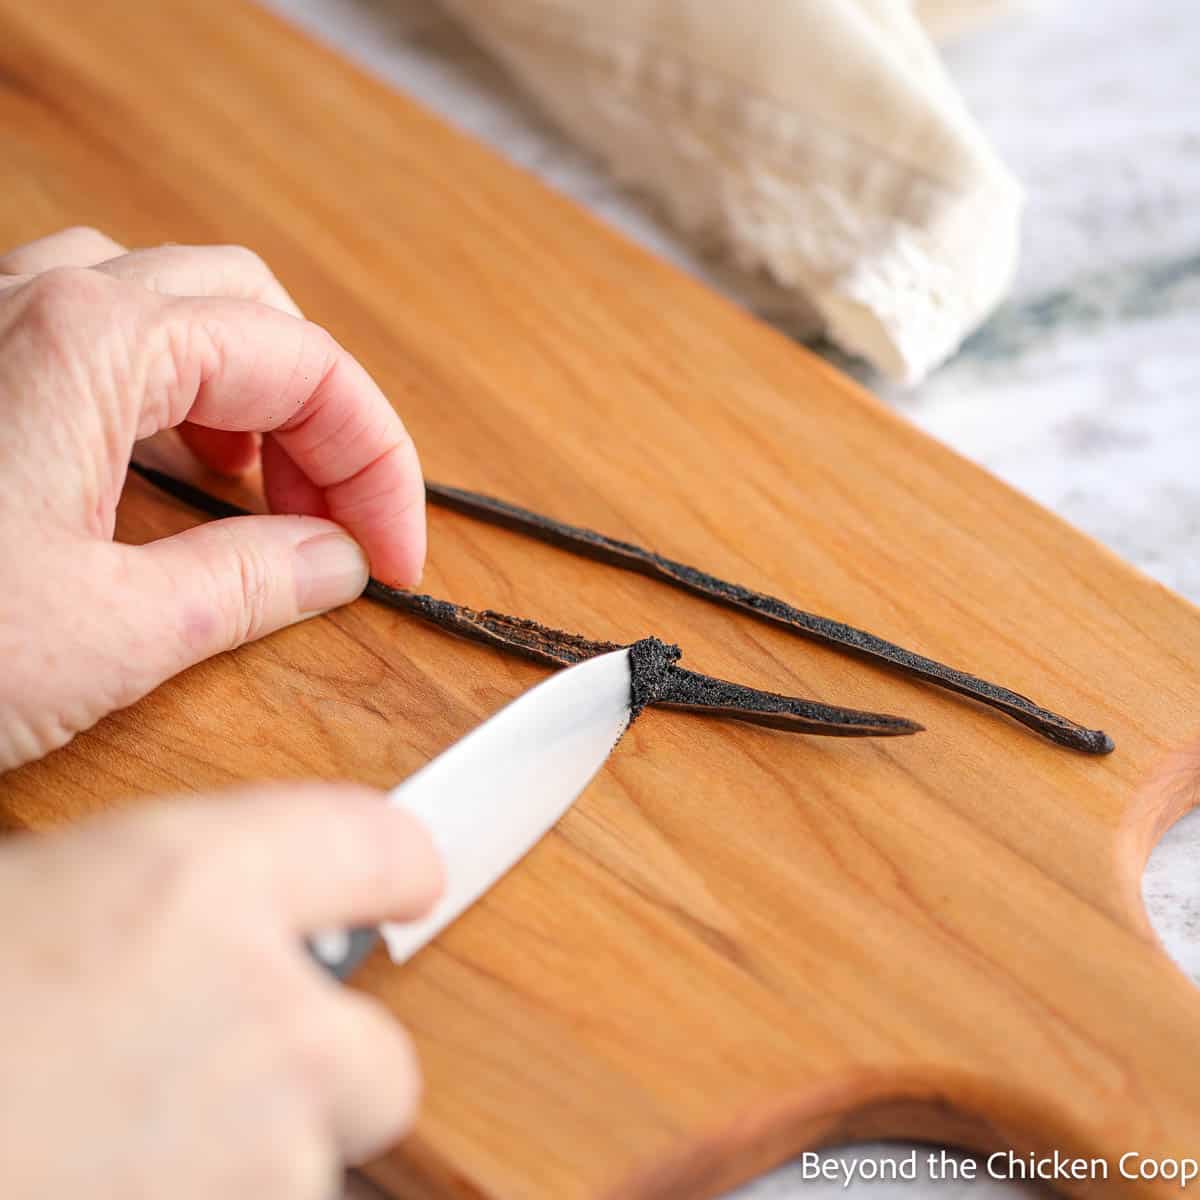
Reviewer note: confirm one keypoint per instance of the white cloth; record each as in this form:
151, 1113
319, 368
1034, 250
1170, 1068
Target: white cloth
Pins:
820, 140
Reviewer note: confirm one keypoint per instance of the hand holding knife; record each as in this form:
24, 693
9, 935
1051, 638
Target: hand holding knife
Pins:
490, 797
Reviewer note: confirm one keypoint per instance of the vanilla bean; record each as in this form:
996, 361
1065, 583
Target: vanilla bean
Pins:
630, 557
655, 677
197, 498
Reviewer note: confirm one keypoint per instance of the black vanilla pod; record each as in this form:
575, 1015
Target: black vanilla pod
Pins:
630, 557
656, 679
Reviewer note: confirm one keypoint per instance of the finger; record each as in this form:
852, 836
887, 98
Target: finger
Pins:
368, 1074
218, 585
232, 365
314, 856
180, 271
78, 246
224, 451
232, 271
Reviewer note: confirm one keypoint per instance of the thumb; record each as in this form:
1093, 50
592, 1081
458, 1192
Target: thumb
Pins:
224, 583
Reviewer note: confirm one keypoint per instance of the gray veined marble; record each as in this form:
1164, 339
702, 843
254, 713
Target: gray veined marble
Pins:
1083, 391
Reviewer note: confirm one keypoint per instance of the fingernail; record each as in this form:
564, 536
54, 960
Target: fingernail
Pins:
330, 570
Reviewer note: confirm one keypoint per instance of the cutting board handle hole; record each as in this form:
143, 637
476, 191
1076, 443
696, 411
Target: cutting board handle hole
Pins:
1171, 893
1159, 857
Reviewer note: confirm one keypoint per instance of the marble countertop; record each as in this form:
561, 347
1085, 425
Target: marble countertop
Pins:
1083, 390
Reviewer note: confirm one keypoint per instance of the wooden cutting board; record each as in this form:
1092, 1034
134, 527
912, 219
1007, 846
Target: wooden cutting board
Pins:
740, 943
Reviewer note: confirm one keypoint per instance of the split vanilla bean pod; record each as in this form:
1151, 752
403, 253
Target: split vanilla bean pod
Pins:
630, 557
656, 679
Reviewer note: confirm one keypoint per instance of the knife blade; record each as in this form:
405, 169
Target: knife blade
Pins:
490, 797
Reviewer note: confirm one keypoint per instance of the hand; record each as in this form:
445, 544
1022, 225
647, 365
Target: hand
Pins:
165, 1034
99, 347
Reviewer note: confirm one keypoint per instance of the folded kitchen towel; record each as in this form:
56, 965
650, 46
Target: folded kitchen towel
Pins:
820, 140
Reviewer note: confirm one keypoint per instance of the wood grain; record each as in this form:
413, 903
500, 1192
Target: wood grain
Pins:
739, 943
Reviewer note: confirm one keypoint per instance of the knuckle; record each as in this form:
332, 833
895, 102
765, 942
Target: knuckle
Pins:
252, 594
193, 351
61, 291
195, 877
76, 322
177, 873
235, 593
246, 261
321, 347
180, 355
90, 238
30, 735
248, 273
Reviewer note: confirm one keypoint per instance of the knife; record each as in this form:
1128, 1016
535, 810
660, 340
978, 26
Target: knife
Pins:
491, 797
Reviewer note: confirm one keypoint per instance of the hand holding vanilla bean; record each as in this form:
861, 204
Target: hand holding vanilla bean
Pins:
98, 348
